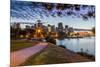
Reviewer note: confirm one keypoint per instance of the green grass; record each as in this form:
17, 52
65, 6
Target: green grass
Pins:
21, 44
53, 54
50, 55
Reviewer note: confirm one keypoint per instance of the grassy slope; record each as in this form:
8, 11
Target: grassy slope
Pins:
53, 55
20, 44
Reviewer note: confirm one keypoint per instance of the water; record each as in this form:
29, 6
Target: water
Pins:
87, 44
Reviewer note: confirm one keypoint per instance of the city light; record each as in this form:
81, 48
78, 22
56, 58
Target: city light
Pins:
51, 33
38, 30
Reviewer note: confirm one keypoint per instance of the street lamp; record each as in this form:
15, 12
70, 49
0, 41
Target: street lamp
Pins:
38, 30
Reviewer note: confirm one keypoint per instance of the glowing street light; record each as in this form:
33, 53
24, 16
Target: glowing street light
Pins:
38, 30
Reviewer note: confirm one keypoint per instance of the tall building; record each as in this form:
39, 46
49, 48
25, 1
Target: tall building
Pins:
49, 28
40, 24
66, 28
32, 27
18, 25
53, 29
60, 27
39, 31
27, 27
35, 26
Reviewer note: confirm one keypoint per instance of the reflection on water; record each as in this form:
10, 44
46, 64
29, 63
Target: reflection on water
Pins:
76, 45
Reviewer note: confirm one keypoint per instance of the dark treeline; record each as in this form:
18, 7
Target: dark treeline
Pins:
18, 32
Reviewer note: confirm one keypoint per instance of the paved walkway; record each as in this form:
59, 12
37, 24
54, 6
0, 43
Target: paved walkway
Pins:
20, 56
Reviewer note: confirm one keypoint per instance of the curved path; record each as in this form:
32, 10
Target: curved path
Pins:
20, 56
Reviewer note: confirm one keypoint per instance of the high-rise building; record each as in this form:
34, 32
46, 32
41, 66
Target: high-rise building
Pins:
49, 28
32, 27
40, 24
35, 26
53, 28
60, 27
18, 25
27, 27
66, 28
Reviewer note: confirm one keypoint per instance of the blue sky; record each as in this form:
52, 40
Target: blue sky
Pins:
22, 11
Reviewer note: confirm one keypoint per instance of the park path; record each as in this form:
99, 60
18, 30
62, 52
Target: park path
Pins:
20, 56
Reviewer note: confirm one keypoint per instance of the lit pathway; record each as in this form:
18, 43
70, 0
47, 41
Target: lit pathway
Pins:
20, 56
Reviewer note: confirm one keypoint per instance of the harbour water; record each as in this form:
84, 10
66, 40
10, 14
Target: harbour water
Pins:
86, 44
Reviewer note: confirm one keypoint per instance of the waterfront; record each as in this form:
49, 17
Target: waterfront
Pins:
51, 33
86, 44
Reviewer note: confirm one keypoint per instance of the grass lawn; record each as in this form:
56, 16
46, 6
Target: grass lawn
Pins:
20, 44
53, 54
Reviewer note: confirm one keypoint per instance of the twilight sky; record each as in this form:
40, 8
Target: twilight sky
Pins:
24, 11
